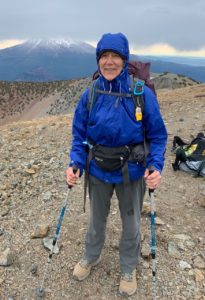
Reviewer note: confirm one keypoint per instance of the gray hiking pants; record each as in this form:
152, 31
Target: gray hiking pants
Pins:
100, 194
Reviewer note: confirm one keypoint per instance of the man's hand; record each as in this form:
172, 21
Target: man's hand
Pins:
71, 177
153, 180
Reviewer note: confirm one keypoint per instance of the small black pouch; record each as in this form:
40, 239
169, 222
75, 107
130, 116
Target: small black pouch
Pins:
137, 154
110, 159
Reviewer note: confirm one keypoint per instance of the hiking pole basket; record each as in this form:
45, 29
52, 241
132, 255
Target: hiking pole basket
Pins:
40, 291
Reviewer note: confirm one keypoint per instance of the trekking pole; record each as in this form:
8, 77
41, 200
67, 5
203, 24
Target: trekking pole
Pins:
40, 291
151, 194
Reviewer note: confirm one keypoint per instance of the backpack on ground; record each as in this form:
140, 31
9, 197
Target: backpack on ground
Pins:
190, 157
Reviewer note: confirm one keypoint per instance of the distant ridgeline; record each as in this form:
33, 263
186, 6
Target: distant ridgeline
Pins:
26, 100
168, 80
190, 67
41, 61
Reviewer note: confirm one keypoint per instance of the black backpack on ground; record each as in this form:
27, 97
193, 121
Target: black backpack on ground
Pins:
190, 157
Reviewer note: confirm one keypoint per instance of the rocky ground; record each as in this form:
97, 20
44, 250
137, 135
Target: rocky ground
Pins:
32, 189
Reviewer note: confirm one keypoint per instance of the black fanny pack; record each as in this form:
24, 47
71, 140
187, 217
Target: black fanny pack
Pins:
114, 158
110, 159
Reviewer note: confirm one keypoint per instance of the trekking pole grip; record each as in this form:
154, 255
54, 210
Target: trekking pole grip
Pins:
151, 190
75, 169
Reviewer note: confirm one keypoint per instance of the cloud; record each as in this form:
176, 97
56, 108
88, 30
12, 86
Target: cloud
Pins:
165, 49
146, 23
9, 43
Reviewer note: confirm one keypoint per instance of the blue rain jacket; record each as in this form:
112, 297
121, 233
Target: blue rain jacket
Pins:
112, 122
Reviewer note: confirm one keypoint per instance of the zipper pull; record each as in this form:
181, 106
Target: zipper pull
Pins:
138, 114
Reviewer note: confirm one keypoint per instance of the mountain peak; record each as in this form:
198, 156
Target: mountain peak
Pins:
60, 44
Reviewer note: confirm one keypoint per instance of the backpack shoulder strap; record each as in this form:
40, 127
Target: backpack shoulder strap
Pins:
92, 95
137, 88
137, 93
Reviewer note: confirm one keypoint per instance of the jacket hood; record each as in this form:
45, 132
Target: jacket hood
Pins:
116, 42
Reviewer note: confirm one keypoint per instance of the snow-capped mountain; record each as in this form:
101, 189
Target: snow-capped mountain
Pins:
44, 60
60, 44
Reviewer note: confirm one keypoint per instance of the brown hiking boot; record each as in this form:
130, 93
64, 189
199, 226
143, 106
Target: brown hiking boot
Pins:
83, 268
128, 283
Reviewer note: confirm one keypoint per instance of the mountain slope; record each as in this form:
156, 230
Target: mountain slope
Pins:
34, 156
29, 100
195, 72
47, 60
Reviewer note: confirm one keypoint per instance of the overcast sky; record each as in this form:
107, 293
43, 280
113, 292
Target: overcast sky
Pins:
157, 26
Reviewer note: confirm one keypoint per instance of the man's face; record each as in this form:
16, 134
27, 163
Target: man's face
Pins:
110, 64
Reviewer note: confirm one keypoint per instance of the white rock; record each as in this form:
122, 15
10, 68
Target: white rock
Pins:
146, 250
48, 244
158, 221
145, 264
184, 265
6, 258
47, 196
173, 250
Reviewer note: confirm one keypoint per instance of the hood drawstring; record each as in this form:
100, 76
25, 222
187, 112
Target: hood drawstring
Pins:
110, 90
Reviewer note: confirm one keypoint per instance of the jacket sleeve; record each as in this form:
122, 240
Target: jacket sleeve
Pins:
155, 131
78, 152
